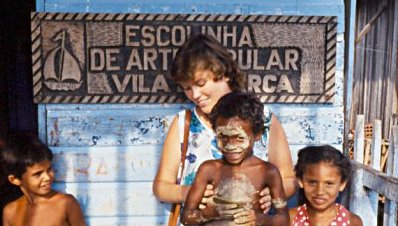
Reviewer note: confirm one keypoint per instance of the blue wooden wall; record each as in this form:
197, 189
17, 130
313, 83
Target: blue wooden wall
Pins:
107, 155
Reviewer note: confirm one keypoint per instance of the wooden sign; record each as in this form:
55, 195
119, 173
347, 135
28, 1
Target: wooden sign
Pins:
126, 58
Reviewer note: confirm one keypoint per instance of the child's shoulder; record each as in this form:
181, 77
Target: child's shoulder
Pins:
11, 207
64, 198
211, 163
355, 220
11, 210
267, 165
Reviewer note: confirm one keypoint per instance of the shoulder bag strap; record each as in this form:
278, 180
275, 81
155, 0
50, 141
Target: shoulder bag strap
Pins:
176, 207
184, 147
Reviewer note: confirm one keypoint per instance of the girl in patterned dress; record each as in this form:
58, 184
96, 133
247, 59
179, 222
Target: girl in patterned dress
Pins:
206, 71
322, 173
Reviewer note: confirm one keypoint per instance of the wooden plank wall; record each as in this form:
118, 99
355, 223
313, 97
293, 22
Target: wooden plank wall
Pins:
107, 155
369, 182
375, 80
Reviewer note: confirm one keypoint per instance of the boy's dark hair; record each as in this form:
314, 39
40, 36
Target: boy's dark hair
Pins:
244, 105
325, 153
20, 150
203, 52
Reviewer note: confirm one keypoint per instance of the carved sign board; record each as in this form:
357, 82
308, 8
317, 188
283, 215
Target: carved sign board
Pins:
126, 58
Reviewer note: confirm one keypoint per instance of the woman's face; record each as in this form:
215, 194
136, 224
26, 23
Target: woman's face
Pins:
204, 91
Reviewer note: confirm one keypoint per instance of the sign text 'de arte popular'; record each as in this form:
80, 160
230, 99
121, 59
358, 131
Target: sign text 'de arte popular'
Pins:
128, 60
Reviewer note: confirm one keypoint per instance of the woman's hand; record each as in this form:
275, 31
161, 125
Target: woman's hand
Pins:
207, 198
265, 200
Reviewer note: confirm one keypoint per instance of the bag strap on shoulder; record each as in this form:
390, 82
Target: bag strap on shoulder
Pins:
184, 147
176, 207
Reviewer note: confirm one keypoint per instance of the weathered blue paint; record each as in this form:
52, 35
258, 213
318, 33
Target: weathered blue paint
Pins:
106, 164
349, 71
107, 127
107, 155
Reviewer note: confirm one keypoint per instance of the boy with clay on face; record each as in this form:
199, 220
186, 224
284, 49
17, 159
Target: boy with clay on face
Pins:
238, 121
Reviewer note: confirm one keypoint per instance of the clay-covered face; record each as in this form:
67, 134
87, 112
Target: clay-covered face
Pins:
204, 91
235, 139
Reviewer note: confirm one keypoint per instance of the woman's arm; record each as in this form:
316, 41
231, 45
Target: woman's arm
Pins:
164, 186
279, 201
292, 214
191, 214
279, 155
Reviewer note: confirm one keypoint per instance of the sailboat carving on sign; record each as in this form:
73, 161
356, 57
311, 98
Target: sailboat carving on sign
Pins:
61, 69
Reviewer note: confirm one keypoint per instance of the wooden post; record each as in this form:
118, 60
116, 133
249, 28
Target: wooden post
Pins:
375, 164
359, 201
390, 207
359, 140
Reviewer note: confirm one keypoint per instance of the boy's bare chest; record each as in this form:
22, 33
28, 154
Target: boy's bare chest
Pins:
48, 215
240, 186
250, 177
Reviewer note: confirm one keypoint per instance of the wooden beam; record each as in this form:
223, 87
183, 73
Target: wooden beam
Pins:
367, 27
375, 160
360, 202
379, 182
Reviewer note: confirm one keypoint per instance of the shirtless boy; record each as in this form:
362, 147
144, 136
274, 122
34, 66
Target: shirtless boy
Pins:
26, 163
238, 120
